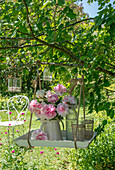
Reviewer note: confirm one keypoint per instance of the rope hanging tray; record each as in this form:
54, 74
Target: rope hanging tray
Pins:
22, 141
82, 133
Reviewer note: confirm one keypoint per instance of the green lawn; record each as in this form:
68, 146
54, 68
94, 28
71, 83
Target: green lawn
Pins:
98, 156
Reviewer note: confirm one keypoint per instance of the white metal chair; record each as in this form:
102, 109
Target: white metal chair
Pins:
16, 113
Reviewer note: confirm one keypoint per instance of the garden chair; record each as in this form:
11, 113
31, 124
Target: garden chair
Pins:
16, 113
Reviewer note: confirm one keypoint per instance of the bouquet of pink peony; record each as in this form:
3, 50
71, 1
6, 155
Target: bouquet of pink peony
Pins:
52, 104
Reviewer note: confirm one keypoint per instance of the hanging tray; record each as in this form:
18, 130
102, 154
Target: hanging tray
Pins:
22, 141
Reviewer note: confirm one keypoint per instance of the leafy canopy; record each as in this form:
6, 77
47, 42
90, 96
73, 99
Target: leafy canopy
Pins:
33, 32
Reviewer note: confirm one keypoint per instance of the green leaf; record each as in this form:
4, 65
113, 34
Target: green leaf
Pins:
96, 108
98, 91
83, 57
62, 123
112, 114
92, 95
46, 4
103, 64
25, 72
99, 22
61, 2
108, 112
40, 26
71, 15
67, 23
75, 70
61, 26
23, 29
106, 83
107, 105
104, 122
101, 106
52, 68
55, 74
65, 9
62, 70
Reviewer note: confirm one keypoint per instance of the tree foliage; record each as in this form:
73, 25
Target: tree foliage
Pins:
33, 32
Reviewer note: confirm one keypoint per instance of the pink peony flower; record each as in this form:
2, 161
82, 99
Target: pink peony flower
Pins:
53, 98
6, 132
49, 93
37, 112
37, 109
39, 135
49, 111
60, 89
39, 105
10, 113
9, 124
32, 105
55, 149
17, 130
57, 153
22, 113
63, 109
0, 143
46, 111
49, 107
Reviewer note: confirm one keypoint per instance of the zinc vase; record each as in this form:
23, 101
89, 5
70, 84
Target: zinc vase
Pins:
52, 128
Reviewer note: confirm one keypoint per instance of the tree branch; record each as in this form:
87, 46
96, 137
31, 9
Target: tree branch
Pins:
30, 34
68, 50
60, 64
25, 46
44, 51
44, 42
72, 45
77, 22
27, 17
24, 33
16, 38
112, 66
106, 71
43, 63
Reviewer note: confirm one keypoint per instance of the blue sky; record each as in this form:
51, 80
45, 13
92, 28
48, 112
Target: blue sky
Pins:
91, 9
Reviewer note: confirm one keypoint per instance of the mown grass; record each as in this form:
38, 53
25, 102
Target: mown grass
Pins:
100, 154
